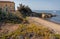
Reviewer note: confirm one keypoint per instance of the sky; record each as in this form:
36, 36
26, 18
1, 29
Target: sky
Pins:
39, 4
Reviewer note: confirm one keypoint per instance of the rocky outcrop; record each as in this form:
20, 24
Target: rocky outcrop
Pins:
47, 15
42, 15
26, 11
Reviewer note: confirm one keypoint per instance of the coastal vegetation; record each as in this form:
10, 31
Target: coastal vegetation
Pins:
25, 10
9, 17
30, 31
26, 30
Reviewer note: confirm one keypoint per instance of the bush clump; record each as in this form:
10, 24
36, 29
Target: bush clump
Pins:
9, 17
29, 31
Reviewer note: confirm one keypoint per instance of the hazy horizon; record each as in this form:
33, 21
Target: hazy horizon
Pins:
39, 4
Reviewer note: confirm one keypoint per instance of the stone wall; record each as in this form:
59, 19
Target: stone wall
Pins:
7, 6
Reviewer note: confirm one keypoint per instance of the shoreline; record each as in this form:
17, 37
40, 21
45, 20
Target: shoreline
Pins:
52, 25
51, 21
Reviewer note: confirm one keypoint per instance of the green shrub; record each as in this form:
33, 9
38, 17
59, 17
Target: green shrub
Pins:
57, 36
28, 31
10, 17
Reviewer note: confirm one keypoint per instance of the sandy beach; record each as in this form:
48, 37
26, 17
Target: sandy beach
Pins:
51, 25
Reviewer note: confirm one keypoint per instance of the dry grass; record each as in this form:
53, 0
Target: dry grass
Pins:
29, 31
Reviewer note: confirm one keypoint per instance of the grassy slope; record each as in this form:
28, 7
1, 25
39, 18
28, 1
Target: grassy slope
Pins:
28, 31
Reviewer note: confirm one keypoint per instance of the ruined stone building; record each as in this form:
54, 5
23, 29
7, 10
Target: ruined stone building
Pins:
7, 6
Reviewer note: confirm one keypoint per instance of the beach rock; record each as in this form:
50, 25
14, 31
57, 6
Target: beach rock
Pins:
47, 15
42, 15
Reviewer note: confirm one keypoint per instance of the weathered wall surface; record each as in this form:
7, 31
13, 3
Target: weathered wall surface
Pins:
7, 6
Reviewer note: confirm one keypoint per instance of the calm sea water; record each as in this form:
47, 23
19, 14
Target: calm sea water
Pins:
54, 19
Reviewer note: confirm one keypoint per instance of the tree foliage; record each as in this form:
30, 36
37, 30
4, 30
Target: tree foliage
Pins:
25, 10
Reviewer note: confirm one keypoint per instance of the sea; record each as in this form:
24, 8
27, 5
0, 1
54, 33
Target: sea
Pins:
55, 12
